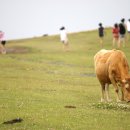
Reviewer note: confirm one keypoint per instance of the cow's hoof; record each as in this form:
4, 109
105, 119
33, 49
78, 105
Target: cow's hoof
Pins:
118, 100
103, 100
109, 100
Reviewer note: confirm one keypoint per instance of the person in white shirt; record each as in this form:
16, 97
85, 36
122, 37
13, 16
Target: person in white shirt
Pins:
128, 27
64, 39
2, 43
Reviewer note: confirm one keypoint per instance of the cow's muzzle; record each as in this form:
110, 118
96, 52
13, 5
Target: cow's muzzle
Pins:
128, 101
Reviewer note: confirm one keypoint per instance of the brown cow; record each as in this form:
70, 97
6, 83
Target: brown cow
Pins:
111, 67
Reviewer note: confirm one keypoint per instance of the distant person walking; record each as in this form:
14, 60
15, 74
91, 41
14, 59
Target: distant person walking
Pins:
2, 43
115, 32
101, 33
128, 27
64, 38
122, 32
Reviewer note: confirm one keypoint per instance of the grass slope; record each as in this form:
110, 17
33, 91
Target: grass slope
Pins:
55, 90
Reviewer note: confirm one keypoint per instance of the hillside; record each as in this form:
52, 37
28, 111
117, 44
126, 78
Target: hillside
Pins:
54, 90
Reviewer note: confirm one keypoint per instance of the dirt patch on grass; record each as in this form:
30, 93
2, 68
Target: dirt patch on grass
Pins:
17, 120
17, 49
70, 106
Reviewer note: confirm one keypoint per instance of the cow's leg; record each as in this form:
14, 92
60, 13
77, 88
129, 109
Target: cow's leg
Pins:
107, 92
122, 92
103, 92
115, 86
122, 98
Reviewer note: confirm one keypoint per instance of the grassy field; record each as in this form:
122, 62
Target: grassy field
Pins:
55, 90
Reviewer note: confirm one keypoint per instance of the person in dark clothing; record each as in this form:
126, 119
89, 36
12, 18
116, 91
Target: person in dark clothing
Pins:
122, 32
101, 33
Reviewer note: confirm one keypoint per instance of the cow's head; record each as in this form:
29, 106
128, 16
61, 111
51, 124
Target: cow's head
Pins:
126, 89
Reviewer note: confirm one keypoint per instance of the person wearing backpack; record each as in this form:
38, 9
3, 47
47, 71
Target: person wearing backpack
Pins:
122, 33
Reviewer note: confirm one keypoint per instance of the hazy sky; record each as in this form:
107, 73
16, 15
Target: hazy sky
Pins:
28, 18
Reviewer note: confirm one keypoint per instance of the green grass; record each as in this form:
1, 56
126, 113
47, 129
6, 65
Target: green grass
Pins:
55, 90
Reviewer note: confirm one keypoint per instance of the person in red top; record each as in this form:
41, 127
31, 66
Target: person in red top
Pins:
115, 32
